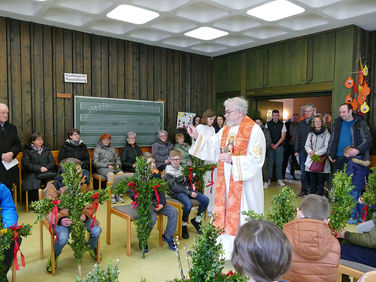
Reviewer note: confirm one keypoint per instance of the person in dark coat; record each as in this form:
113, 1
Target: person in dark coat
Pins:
302, 131
10, 146
73, 147
130, 152
161, 149
38, 164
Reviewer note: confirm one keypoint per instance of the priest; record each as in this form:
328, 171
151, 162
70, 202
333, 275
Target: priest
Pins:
239, 149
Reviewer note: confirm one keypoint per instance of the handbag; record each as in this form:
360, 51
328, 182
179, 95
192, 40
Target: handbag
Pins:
46, 175
317, 166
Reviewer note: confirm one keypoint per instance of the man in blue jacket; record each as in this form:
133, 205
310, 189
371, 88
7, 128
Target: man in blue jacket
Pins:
9, 218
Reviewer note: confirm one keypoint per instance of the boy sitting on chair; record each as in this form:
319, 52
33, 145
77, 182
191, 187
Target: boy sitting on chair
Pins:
159, 206
55, 190
315, 251
181, 190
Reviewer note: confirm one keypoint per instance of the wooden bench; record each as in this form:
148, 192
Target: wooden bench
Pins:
352, 269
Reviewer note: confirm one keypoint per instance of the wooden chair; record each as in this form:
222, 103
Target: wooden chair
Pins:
179, 206
352, 269
42, 193
129, 214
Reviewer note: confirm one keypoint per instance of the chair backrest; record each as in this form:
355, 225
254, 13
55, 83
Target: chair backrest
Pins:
55, 154
120, 176
43, 192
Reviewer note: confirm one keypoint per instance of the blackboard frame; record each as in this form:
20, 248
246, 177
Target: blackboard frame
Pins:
93, 117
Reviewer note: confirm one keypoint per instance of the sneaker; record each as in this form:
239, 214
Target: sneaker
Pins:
281, 183
197, 225
146, 247
170, 242
119, 199
49, 264
93, 254
265, 185
352, 221
301, 194
113, 199
185, 233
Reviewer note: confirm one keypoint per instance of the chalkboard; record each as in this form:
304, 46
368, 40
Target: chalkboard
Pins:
94, 116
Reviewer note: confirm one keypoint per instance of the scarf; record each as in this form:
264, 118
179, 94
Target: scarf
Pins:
228, 214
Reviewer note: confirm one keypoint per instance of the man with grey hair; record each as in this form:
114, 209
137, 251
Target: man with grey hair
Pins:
239, 149
10, 146
302, 130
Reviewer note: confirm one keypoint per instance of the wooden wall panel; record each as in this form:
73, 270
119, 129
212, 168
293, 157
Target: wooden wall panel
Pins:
34, 58
254, 68
296, 62
276, 65
323, 57
3, 61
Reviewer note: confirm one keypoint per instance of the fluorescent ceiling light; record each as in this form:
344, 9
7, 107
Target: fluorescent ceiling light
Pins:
275, 10
206, 33
132, 14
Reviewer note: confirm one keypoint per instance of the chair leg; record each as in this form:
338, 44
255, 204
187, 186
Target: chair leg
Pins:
180, 223
108, 228
41, 239
99, 250
20, 192
15, 194
27, 200
13, 273
160, 228
53, 255
128, 237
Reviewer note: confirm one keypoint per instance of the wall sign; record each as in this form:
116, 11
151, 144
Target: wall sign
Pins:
75, 77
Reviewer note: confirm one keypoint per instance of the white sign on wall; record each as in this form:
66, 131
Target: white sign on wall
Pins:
75, 77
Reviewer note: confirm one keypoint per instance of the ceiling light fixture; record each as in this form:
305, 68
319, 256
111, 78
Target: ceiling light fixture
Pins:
275, 10
132, 14
206, 33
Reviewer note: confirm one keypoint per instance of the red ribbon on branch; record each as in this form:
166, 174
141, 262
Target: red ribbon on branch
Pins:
191, 176
211, 182
333, 231
194, 189
55, 210
132, 186
93, 210
364, 213
17, 246
156, 193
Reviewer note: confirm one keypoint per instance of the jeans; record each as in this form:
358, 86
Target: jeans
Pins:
359, 254
357, 208
317, 182
62, 233
275, 156
172, 215
187, 204
304, 175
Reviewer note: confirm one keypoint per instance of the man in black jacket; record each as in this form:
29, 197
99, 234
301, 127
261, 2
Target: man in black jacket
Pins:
302, 130
10, 146
349, 130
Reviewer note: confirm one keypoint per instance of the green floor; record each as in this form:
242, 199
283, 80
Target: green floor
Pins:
160, 263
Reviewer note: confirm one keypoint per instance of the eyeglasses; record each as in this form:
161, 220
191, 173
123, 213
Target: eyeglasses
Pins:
175, 160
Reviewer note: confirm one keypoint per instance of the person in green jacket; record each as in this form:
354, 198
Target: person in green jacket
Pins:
361, 247
183, 148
